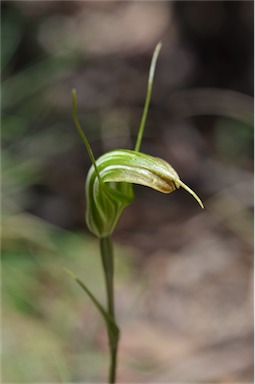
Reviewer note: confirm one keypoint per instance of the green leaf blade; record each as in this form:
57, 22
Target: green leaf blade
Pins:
112, 327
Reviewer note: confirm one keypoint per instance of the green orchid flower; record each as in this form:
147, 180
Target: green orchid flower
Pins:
110, 178
109, 189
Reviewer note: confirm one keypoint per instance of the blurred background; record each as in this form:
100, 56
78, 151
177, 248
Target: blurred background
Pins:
183, 276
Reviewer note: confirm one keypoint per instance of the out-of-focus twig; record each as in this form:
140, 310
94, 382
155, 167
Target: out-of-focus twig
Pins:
212, 101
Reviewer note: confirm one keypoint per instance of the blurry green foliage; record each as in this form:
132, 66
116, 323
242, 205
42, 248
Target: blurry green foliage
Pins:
12, 28
33, 79
233, 141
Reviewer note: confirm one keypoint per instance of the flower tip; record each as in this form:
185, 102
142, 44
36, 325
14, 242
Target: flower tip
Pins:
196, 197
183, 185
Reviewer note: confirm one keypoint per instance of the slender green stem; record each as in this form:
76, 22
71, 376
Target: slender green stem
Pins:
106, 249
108, 265
148, 97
